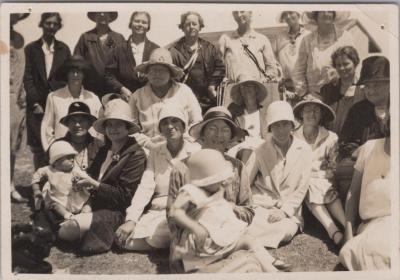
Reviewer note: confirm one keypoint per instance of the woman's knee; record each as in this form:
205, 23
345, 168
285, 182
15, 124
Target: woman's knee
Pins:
69, 231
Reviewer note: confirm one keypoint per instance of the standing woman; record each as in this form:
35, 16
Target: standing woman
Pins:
322, 197
313, 66
200, 60
162, 88
146, 230
120, 74
44, 57
113, 179
96, 47
73, 71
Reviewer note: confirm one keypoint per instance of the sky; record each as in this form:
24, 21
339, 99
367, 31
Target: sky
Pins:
379, 20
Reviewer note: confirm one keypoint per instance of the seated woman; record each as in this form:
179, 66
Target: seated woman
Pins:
118, 168
344, 92
369, 245
216, 131
280, 171
322, 197
145, 230
161, 88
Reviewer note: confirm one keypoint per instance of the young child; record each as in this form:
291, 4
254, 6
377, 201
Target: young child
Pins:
60, 194
211, 230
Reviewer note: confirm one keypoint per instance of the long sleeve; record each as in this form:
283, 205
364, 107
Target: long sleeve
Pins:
48, 126
39, 176
194, 108
32, 94
300, 69
219, 67
80, 47
144, 192
269, 59
110, 72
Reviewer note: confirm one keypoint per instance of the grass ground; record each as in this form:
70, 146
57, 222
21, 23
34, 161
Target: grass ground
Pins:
311, 250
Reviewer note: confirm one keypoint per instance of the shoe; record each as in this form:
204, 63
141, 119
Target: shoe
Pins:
338, 242
17, 198
282, 266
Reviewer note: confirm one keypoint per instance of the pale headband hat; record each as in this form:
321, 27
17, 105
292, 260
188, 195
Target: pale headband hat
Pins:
279, 111
60, 149
340, 17
172, 110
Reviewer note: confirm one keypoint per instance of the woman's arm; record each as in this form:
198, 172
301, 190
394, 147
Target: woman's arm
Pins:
299, 74
352, 204
47, 127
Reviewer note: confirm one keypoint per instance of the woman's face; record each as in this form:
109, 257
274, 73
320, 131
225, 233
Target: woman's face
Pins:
248, 92
312, 114
216, 134
172, 128
292, 18
75, 76
140, 24
79, 125
102, 19
50, 26
65, 164
325, 17
116, 130
158, 75
377, 92
345, 67
281, 131
191, 26
242, 17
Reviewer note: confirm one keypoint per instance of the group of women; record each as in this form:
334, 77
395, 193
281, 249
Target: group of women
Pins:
135, 142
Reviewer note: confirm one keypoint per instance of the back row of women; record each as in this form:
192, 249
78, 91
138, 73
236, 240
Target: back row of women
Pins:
149, 187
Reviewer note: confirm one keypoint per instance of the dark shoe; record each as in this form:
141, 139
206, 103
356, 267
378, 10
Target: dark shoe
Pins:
338, 242
17, 198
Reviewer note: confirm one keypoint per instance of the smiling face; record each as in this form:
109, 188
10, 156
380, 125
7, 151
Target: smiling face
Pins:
312, 114
50, 26
191, 26
281, 131
345, 67
172, 128
79, 125
140, 24
158, 75
75, 76
216, 134
116, 130
65, 164
242, 17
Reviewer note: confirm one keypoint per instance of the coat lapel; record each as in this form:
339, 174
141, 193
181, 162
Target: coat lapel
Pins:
147, 50
57, 58
292, 158
41, 65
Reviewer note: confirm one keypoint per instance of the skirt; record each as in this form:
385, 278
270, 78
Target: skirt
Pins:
321, 191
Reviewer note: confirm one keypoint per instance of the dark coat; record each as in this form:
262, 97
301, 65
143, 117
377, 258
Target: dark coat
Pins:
90, 48
120, 70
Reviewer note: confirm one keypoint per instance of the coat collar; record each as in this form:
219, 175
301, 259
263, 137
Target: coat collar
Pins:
323, 133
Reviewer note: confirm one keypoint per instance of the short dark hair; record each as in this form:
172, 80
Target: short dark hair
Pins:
185, 15
348, 51
45, 16
314, 14
134, 14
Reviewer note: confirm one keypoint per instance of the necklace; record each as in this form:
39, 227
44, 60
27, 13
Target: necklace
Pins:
80, 159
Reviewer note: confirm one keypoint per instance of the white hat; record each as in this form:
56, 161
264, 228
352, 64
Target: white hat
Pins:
279, 111
245, 78
171, 110
60, 149
116, 109
340, 17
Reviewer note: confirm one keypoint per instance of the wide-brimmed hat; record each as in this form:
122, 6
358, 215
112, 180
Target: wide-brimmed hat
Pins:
60, 149
328, 114
279, 111
172, 110
78, 108
208, 166
111, 15
116, 109
243, 79
110, 96
15, 17
75, 61
340, 17
280, 19
161, 56
216, 113
374, 69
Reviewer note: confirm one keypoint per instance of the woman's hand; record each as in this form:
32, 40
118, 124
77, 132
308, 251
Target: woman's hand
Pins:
125, 232
276, 215
88, 183
125, 94
200, 234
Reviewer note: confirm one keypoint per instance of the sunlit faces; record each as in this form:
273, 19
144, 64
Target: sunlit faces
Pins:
191, 26
325, 17
75, 76
291, 18
140, 24
172, 128
116, 130
345, 66
377, 92
79, 125
312, 114
158, 75
217, 134
281, 131
65, 164
248, 92
50, 26
242, 17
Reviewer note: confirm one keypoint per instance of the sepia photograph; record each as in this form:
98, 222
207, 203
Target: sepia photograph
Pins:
236, 140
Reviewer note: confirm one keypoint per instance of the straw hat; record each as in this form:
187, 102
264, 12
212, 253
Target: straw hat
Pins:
279, 111
216, 113
202, 173
111, 15
60, 149
116, 109
328, 114
77, 108
161, 56
340, 17
243, 79
374, 69
172, 110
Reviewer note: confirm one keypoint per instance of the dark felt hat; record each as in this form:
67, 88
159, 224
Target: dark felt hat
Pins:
111, 15
374, 69
78, 108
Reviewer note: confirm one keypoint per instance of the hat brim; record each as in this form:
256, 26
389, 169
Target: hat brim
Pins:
177, 73
195, 129
340, 17
112, 15
64, 120
329, 113
236, 95
100, 128
363, 82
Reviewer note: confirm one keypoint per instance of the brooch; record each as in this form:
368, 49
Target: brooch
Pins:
115, 157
